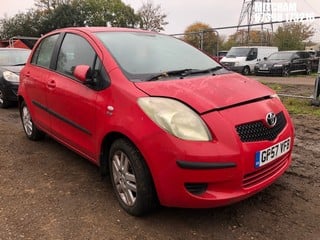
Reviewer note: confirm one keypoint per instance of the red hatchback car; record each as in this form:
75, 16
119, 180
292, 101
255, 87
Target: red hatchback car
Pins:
171, 125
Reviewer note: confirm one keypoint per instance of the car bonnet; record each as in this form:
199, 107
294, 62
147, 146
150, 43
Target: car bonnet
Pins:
208, 93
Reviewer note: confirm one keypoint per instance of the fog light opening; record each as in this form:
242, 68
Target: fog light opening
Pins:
196, 188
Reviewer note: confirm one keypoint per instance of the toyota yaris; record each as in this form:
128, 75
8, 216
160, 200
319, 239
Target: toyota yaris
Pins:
171, 125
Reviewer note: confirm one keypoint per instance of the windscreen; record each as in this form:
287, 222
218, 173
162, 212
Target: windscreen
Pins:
13, 57
238, 52
280, 56
141, 55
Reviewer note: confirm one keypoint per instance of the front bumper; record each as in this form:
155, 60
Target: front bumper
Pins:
238, 69
10, 91
209, 174
274, 71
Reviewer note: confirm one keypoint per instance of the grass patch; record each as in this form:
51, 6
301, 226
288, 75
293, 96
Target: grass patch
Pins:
297, 106
275, 86
300, 106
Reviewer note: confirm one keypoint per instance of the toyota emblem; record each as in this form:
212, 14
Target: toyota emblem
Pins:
271, 119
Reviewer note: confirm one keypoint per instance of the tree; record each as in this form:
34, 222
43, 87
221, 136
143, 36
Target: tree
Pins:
106, 12
151, 17
256, 37
50, 4
52, 14
202, 36
291, 36
22, 24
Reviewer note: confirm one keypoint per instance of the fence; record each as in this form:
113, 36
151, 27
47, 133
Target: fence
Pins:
265, 39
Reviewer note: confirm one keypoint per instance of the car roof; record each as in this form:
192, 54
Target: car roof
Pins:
100, 29
14, 49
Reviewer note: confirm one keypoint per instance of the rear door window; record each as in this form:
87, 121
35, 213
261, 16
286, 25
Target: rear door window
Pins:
43, 54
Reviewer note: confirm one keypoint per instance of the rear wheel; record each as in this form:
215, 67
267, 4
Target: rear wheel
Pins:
308, 70
131, 179
32, 132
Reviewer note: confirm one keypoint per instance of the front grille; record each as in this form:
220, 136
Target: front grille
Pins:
228, 64
258, 131
265, 172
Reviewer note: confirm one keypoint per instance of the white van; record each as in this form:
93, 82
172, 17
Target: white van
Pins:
243, 59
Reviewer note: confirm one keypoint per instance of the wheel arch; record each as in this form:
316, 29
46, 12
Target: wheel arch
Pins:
105, 150
20, 100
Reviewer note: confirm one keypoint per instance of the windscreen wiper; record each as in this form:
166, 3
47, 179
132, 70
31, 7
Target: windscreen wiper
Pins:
183, 73
158, 76
19, 64
208, 70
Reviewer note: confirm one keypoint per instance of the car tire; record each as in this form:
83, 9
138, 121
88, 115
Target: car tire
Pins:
308, 71
30, 129
246, 70
131, 179
3, 102
285, 72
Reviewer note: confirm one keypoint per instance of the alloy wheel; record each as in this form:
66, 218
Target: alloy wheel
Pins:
124, 178
26, 120
1, 97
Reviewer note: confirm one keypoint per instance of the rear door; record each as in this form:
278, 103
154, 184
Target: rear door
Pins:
36, 75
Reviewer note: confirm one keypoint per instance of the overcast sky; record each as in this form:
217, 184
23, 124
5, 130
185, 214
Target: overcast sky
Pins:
182, 13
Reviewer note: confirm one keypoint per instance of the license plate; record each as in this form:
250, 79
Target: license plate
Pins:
264, 69
271, 153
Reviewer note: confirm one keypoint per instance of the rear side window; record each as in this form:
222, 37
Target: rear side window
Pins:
43, 53
74, 51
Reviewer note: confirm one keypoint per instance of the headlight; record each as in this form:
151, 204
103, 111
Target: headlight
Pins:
278, 65
175, 118
10, 76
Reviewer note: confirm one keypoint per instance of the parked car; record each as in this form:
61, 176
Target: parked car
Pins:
243, 59
11, 62
170, 124
314, 60
284, 63
220, 55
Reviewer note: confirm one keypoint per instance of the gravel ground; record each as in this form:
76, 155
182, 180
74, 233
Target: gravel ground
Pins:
49, 192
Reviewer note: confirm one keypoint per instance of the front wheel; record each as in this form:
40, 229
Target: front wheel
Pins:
32, 132
285, 72
246, 70
131, 179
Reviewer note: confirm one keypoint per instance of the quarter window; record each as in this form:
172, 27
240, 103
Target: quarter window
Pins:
43, 53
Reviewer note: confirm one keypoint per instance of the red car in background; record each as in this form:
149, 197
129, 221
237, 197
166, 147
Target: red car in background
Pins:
220, 55
171, 125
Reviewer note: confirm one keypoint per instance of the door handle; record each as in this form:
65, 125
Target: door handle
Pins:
51, 84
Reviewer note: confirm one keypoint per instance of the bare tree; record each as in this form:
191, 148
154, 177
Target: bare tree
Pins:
152, 17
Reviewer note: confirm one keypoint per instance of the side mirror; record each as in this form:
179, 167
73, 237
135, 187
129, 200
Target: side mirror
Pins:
82, 72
